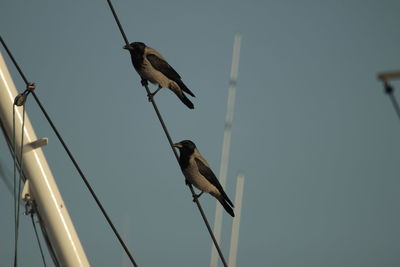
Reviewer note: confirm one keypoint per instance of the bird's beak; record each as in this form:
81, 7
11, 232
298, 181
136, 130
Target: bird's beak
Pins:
127, 47
177, 145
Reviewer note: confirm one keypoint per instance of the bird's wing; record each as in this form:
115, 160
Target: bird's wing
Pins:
210, 176
162, 66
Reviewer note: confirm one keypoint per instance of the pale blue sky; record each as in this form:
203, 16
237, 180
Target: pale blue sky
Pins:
313, 131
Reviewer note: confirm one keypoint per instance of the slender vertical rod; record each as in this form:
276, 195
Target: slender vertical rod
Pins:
223, 172
236, 220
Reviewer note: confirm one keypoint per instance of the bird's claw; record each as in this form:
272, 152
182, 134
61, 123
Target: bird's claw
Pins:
196, 197
150, 96
144, 82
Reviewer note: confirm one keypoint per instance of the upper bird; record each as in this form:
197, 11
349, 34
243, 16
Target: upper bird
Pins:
151, 66
198, 172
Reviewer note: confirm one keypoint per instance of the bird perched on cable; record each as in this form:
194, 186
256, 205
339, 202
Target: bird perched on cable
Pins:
198, 172
151, 66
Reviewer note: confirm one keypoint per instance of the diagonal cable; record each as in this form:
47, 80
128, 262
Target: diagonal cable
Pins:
395, 104
390, 91
17, 192
70, 156
13, 60
170, 142
32, 211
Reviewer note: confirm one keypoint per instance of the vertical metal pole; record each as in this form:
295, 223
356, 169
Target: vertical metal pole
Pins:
223, 173
42, 186
236, 220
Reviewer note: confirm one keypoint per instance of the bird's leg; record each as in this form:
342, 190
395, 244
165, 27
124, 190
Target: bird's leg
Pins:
144, 82
151, 95
195, 197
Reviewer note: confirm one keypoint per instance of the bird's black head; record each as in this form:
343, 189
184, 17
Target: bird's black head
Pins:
185, 146
136, 47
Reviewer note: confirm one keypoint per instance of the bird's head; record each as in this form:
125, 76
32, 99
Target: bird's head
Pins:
136, 47
186, 146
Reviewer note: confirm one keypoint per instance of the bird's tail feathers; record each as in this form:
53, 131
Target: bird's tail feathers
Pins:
226, 206
185, 89
226, 198
186, 101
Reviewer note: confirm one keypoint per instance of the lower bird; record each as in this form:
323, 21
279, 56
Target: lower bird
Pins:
151, 66
198, 172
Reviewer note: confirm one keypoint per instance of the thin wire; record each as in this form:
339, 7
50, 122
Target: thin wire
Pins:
190, 185
10, 146
17, 192
20, 180
171, 145
389, 90
47, 240
84, 178
13, 60
71, 157
118, 23
395, 104
37, 238
15, 168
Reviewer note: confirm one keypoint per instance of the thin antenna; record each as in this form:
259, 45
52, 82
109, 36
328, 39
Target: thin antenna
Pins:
223, 173
236, 220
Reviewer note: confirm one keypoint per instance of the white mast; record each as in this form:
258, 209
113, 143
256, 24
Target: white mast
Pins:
40, 183
236, 220
226, 144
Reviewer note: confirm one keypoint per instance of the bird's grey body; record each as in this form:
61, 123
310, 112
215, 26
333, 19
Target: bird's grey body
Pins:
148, 72
197, 171
151, 66
193, 175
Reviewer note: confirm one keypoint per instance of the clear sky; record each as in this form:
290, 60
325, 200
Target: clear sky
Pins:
313, 131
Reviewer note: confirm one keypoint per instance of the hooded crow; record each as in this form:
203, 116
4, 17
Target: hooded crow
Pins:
198, 172
152, 67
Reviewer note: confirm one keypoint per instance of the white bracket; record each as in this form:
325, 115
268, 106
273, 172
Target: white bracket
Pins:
36, 144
